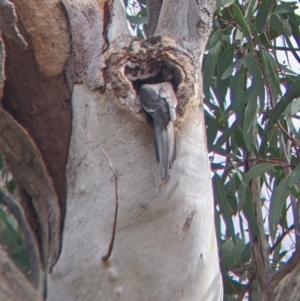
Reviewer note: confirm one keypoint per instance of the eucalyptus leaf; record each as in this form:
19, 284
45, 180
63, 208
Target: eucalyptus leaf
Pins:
225, 136
262, 14
215, 38
242, 195
239, 18
251, 7
210, 62
293, 21
249, 213
294, 177
225, 60
257, 80
285, 7
232, 66
250, 116
137, 20
276, 23
271, 72
232, 287
231, 252
291, 93
212, 131
220, 198
237, 89
278, 199
258, 170
292, 109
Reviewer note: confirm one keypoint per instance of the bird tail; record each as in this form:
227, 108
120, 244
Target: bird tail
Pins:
165, 147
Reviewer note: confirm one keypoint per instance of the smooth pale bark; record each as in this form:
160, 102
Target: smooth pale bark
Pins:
165, 246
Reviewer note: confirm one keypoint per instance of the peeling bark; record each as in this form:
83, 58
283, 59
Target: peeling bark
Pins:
164, 241
26, 163
51, 47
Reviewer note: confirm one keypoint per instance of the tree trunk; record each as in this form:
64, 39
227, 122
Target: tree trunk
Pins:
90, 185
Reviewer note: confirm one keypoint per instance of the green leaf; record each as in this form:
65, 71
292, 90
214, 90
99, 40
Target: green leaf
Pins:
246, 255
249, 213
137, 20
231, 252
215, 38
286, 27
237, 89
220, 198
257, 81
232, 66
291, 93
262, 14
210, 62
224, 137
295, 27
278, 199
225, 60
294, 177
239, 139
285, 7
292, 109
251, 7
250, 116
276, 23
231, 195
258, 170
212, 131
239, 18
242, 195
271, 71
232, 287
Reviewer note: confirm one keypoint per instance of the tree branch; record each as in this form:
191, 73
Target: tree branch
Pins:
153, 12
259, 244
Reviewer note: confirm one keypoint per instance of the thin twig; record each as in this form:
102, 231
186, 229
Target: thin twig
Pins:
111, 244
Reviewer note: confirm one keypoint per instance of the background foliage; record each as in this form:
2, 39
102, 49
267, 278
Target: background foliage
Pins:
251, 109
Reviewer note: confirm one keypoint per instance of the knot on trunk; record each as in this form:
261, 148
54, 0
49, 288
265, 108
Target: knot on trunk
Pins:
156, 60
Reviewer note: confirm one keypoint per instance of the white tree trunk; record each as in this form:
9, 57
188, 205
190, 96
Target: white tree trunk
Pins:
165, 246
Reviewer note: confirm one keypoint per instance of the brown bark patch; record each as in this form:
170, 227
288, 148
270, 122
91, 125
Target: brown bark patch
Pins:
42, 106
47, 26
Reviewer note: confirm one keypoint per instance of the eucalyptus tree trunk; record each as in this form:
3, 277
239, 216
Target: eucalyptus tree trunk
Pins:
72, 129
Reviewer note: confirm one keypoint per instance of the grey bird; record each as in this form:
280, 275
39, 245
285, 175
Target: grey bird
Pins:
160, 102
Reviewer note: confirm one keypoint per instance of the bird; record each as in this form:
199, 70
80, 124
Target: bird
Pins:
159, 101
